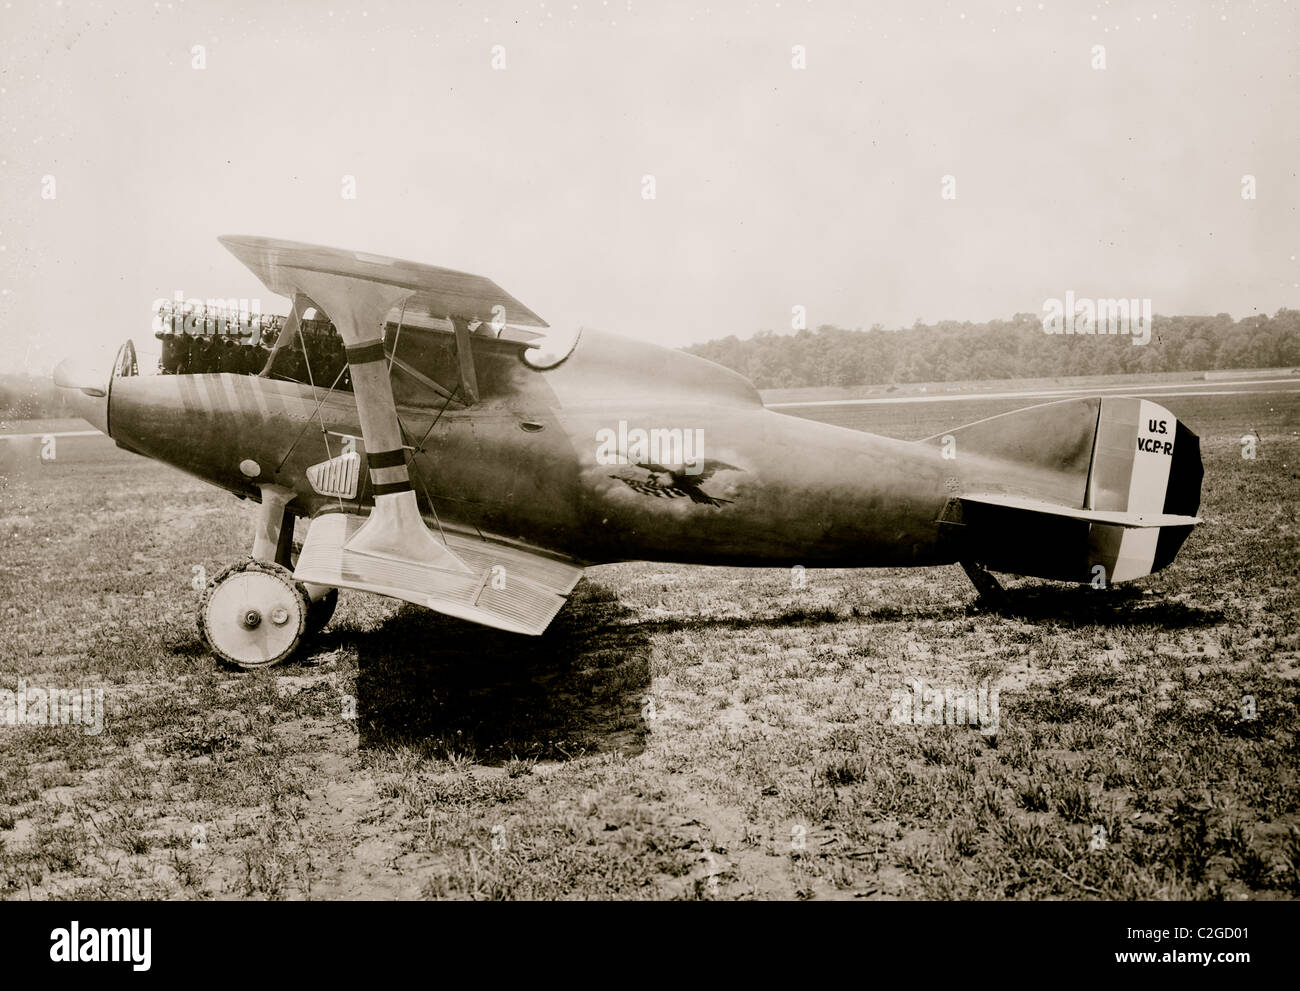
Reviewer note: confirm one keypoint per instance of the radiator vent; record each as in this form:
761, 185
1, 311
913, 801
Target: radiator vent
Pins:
337, 476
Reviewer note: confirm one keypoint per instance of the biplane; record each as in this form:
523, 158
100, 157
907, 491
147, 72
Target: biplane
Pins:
450, 448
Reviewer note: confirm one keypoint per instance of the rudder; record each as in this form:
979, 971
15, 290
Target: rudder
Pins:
1144, 462
1076, 490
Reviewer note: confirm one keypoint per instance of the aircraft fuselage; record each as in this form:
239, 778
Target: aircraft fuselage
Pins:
571, 459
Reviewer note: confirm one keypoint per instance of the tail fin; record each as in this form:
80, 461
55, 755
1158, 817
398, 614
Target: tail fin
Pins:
1075, 490
1144, 462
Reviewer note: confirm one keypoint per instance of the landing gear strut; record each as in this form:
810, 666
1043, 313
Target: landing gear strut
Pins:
253, 614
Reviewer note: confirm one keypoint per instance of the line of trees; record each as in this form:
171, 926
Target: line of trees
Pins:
952, 351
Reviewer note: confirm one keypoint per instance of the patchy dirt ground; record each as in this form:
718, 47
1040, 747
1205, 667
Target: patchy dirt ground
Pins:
680, 732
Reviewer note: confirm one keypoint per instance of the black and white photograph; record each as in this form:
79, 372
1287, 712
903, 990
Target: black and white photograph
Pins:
800, 451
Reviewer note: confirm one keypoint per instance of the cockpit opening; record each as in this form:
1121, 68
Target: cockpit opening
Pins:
550, 348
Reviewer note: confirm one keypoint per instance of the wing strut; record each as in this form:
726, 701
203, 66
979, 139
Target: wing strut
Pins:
465, 355
395, 530
288, 332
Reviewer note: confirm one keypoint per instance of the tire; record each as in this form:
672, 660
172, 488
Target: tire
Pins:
253, 615
320, 612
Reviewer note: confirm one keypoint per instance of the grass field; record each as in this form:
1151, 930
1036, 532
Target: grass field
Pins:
679, 732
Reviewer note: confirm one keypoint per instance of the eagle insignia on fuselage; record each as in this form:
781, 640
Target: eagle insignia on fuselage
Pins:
670, 483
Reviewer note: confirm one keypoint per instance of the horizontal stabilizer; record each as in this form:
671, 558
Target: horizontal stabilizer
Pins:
1086, 515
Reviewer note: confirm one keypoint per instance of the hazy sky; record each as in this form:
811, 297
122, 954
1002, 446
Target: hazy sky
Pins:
774, 186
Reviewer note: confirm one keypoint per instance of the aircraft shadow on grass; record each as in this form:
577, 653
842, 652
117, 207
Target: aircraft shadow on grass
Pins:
579, 688
434, 681
1124, 605
1078, 605
453, 687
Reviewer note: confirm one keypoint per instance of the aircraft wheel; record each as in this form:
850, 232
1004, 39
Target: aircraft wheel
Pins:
321, 611
253, 614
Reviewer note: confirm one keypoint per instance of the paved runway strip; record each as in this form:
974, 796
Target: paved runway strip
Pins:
1215, 388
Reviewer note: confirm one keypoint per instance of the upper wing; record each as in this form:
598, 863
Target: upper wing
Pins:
436, 292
